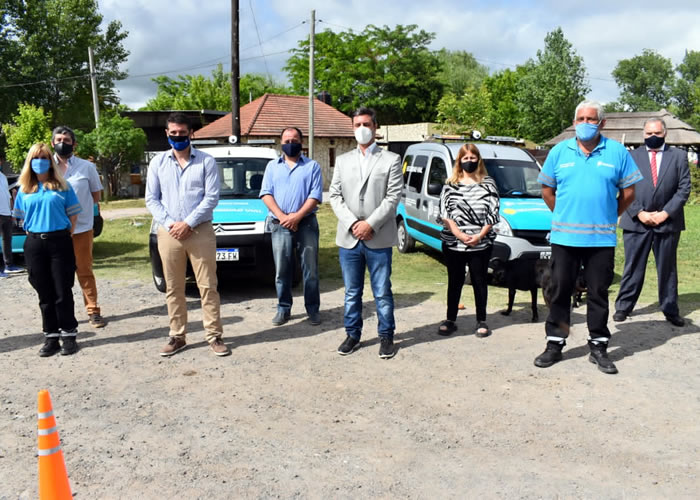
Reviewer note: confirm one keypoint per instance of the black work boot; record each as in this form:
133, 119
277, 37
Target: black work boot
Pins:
599, 356
51, 346
551, 355
70, 345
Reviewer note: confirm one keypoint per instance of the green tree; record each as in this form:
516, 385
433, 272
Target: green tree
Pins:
613, 107
44, 57
503, 86
29, 126
462, 115
390, 70
199, 92
460, 71
554, 83
687, 88
645, 81
115, 145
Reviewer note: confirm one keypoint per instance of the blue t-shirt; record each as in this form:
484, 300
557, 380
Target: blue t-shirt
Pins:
45, 210
291, 187
585, 212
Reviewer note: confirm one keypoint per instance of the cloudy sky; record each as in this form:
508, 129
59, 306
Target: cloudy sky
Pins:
175, 37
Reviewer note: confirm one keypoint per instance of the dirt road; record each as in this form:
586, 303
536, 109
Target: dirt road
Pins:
286, 417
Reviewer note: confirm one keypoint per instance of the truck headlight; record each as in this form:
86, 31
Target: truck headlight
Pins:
503, 228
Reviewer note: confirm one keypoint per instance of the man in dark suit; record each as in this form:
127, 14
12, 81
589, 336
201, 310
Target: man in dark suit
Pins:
654, 221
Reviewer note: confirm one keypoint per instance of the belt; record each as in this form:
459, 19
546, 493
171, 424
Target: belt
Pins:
50, 235
277, 221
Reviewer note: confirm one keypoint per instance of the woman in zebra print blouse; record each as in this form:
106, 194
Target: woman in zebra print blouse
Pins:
469, 209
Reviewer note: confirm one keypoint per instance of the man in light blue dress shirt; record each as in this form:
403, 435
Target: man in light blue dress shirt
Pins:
182, 189
291, 189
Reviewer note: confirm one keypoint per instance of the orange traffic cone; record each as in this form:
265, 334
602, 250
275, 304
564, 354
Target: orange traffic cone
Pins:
53, 478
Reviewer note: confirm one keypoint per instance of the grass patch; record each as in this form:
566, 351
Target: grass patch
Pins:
122, 252
116, 204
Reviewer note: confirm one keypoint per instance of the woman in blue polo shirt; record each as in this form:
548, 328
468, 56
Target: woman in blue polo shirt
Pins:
49, 208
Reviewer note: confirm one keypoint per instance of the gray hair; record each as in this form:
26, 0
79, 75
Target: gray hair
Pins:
63, 129
591, 104
654, 120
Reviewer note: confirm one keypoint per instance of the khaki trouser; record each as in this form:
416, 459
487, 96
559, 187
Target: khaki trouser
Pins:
82, 247
200, 248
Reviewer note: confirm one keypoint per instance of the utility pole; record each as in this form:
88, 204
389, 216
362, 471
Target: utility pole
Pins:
235, 137
311, 83
93, 84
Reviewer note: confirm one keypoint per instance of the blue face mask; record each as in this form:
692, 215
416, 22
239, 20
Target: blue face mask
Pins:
179, 142
586, 131
291, 149
40, 165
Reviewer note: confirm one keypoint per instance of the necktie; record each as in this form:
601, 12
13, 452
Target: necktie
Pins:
653, 167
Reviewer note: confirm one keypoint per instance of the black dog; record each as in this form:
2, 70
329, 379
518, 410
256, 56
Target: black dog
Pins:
525, 275
579, 289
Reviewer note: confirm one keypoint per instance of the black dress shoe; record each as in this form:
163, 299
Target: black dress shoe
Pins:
50, 347
619, 316
70, 346
675, 320
600, 357
551, 355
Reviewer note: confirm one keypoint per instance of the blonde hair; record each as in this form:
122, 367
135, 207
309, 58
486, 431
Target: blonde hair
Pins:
480, 171
29, 182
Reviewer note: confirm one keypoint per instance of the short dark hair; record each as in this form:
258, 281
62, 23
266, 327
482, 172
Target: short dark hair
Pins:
298, 130
62, 129
362, 110
179, 118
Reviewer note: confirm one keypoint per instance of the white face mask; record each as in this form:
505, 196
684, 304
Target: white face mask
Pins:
363, 135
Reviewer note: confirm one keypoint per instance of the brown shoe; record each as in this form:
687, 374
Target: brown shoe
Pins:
219, 348
96, 321
174, 345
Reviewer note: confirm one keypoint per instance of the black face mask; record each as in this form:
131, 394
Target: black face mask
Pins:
469, 166
291, 149
654, 141
63, 149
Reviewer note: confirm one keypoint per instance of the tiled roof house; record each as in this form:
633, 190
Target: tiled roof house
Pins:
265, 117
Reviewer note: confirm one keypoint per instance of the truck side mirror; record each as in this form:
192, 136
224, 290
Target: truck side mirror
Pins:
434, 189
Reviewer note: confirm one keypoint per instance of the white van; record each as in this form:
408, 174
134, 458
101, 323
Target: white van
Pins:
523, 231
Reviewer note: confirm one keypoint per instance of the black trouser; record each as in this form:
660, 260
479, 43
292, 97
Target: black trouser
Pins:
637, 247
51, 266
598, 270
6, 230
478, 262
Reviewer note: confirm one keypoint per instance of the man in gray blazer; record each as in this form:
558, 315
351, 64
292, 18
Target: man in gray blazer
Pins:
364, 193
654, 221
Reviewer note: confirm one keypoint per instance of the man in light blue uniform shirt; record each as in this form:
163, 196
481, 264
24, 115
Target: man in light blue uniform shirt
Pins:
6, 229
83, 178
292, 188
182, 189
587, 182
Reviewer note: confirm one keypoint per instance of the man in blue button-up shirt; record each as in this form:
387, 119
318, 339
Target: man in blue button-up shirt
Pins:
291, 189
182, 189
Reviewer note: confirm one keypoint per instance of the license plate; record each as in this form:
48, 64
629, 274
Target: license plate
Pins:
226, 254
545, 255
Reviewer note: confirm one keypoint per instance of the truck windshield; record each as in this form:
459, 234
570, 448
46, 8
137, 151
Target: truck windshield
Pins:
241, 177
514, 178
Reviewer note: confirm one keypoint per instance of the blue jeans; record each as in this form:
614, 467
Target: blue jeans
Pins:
353, 263
305, 241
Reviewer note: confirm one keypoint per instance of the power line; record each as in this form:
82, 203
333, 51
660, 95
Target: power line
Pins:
336, 25
257, 31
39, 82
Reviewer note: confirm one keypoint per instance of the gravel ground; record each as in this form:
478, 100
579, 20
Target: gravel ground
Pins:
286, 417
